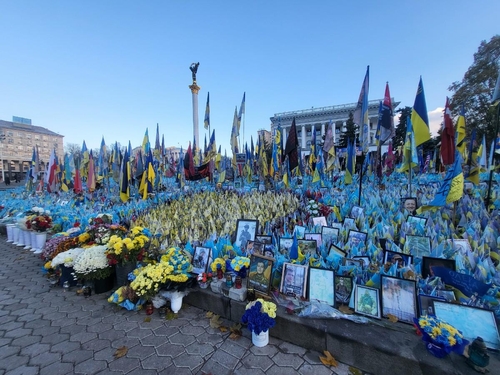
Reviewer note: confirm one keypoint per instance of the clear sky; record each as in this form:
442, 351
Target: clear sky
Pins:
112, 69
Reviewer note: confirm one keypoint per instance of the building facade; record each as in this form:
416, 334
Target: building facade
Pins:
17, 142
316, 120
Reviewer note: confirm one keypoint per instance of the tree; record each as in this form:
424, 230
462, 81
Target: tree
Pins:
475, 90
400, 136
72, 149
350, 133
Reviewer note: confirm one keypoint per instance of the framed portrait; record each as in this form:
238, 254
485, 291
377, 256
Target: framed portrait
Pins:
245, 231
259, 274
447, 295
300, 230
307, 246
314, 236
336, 250
254, 247
343, 289
355, 238
321, 285
398, 298
356, 211
320, 220
353, 262
367, 301
416, 220
200, 259
426, 304
364, 259
264, 239
403, 260
285, 244
472, 321
329, 235
461, 246
409, 204
349, 223
337, 226
418, 246
268, 250
294, 280
428, 262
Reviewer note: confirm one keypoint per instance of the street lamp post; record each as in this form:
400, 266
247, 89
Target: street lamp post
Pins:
2, 138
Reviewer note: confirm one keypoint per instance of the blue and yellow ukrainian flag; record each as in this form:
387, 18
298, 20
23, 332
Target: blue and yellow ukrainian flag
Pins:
419, 117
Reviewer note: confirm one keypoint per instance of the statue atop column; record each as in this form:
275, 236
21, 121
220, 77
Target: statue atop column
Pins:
194, 69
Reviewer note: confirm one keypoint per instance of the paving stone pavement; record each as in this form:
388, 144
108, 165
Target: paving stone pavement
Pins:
46, 330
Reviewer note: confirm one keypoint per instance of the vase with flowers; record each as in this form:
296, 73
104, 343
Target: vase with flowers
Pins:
65, 262
240, 265
440, 337
218, 267
259, 316
92, 265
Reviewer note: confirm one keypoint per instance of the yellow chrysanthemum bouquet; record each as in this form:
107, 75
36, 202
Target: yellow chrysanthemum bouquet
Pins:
132, 248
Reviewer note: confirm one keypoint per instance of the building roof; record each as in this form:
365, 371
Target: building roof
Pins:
27, 128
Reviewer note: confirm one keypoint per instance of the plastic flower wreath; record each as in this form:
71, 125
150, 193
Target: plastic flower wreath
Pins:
259, 316
218, 262
440, 333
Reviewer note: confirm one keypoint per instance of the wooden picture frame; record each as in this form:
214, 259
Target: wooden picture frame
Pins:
461, 316
200, 259
334, 249
246, 230
308, 247
355, 237
343, 286
300, 230
356, 212
260, 273
409, 204
367, 301
319, 220
418, 246
428, 262
285, 244
294, 280
314, 236
398, 298
321, 285
329, 235
404, 260
265, 239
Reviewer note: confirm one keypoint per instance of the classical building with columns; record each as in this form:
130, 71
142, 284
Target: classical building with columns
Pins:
317, 119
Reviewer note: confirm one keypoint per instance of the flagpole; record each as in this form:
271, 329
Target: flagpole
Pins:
487, 200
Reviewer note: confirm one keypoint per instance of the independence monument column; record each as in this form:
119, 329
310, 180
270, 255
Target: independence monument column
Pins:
194, 91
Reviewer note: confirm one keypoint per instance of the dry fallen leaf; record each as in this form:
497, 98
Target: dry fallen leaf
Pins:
328, 360
120, 352
236, 328
392, 318
346, 310
234, 336
215, 321
147, 319
223, 329
209, 314
170, 315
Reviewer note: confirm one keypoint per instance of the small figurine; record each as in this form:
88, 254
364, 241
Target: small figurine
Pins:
477, 355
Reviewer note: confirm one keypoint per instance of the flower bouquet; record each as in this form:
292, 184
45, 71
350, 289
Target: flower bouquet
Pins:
240, 265
259, 316
440, 337
92, 264
40, 223
128, 249
67, 258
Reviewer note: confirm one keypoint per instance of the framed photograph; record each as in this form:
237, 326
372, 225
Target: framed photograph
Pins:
349, 223
321, 285
468, 187
418, 246
426, 304
259, 274
329, 235
364, 259
447, 295
398, 298
300, 230
237, 184
336, 250
367, 301
320, 220
314, 236
461, 246
416, 220
428, 262
403, 260
472, 321
409, 204
355, 238
294, 280
200, 259
343, 289
254, 247
264, 239
356, 212
337, 226
353, 262
245, 231
285, 244
307, 246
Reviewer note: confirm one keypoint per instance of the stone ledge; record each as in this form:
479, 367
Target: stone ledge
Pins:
379, 347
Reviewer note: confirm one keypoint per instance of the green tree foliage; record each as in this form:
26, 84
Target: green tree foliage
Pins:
400, 136
350, 133
475, 90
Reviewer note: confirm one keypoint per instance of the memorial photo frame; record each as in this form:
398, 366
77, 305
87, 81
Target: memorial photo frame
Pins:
461, 246
428, 262
254, 247
398, 298
418, 246
447, 295
356, 212
200, 259
343, 286
246, 230
264, 239
321, 285
355, 237
294, 280
409, 204
349, 223
300, 230
334, 249
364, 259
314, 236
426, 304
319, 220
308, 247
329, 235
416, 220
260, 273
268, 250
367, 301
404, 260
285, 243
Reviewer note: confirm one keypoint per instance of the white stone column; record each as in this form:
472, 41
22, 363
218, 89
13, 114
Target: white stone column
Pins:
322, 129
304, 135
194, 92
283, 137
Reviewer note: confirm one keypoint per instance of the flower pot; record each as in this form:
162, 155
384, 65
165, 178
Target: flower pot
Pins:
40, 239
33, 240
436, 350
176, 301
15, 235
260, 340
104, 285
122, 271
67, 275
10, 232
20, 241
27, 239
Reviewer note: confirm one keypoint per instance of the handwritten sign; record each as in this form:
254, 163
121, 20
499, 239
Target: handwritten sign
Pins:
465, 283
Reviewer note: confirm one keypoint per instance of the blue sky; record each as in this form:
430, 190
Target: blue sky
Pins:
93, 69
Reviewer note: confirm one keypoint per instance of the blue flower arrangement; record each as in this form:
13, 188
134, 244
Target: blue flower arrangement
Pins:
259, 316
